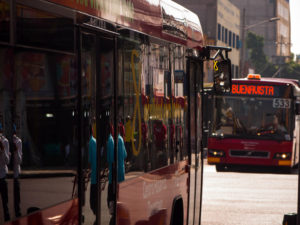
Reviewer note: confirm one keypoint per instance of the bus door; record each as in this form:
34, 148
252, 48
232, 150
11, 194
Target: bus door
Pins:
194, 74
296, 140
97, 66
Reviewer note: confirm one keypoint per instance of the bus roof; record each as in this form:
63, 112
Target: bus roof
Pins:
272, 80
269, 80
163, 19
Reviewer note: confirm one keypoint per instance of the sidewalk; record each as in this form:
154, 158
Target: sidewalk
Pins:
43, 173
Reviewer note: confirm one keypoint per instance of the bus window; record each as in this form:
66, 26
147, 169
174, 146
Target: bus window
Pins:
43, 29
39, 115
4, 20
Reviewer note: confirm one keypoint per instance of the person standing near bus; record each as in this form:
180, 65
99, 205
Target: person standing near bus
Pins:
17, 160
4, 160
93, 166
122, 154
146, 157
128, 137
160, 135
122, 129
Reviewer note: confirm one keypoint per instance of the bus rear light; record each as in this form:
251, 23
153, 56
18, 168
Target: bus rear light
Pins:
254, 77
215, 153
284, 156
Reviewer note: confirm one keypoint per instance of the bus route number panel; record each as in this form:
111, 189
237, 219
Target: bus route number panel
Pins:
281, 103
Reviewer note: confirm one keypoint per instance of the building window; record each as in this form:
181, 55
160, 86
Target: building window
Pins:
226, 31
237, 42
222, 33
229, 38
236, 71
219, 32
233, 40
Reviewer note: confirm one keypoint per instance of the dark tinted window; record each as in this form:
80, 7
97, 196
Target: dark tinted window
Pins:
42, 29
4, 20
39, 107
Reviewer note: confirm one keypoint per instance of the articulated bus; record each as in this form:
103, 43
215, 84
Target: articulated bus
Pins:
256, 124
77, 76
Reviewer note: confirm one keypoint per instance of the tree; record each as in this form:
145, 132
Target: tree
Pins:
255, 46
290, 70
261, 63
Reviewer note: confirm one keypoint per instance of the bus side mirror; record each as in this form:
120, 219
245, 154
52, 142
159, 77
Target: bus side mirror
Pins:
222, 75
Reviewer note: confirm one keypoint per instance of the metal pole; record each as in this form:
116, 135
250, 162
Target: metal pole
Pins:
242, 58
298, 203
79, 124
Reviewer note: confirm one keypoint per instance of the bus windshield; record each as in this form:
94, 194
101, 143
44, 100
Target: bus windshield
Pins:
252, 117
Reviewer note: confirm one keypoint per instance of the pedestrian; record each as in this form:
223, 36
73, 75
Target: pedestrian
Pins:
144, 132
160, 134
4, 160
122, 154
122, 129
17, 160
128, 137
93, 166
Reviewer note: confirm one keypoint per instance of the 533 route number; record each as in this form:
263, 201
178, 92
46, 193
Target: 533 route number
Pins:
281, 103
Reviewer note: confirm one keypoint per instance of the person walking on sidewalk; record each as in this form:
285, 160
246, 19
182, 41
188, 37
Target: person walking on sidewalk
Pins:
4, 160
16, 160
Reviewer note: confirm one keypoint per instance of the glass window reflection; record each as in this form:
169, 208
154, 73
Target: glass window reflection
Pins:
37, 117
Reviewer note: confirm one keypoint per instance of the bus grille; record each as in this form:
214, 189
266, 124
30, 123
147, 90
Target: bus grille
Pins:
249, 154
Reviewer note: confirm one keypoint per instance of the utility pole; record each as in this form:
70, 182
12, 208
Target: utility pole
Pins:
242, 58
281, 58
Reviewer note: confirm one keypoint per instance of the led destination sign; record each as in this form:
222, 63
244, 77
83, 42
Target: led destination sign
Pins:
243, 89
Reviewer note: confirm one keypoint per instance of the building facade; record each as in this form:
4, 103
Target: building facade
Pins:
228, 31
220, 21
277, 33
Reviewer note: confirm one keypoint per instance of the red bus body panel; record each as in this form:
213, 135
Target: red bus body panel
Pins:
148, 199
143, 200
269, 146
64, 213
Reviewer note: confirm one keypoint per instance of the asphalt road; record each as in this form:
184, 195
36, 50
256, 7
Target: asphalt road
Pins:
247, 197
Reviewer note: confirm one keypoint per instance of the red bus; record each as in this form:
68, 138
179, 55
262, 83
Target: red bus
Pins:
74, 74
255, 124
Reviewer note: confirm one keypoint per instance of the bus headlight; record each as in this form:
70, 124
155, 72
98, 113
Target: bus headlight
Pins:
282, 155
216, 153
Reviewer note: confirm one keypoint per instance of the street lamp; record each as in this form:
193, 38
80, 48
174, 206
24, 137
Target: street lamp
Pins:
261, 22
244, 28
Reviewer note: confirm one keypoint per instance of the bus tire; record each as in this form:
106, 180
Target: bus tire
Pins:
177, 211
220, 168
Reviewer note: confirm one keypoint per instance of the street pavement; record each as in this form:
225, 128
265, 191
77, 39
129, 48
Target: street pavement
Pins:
247, 198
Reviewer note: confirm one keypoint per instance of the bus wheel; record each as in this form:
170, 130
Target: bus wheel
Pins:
177, 212
220, 168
